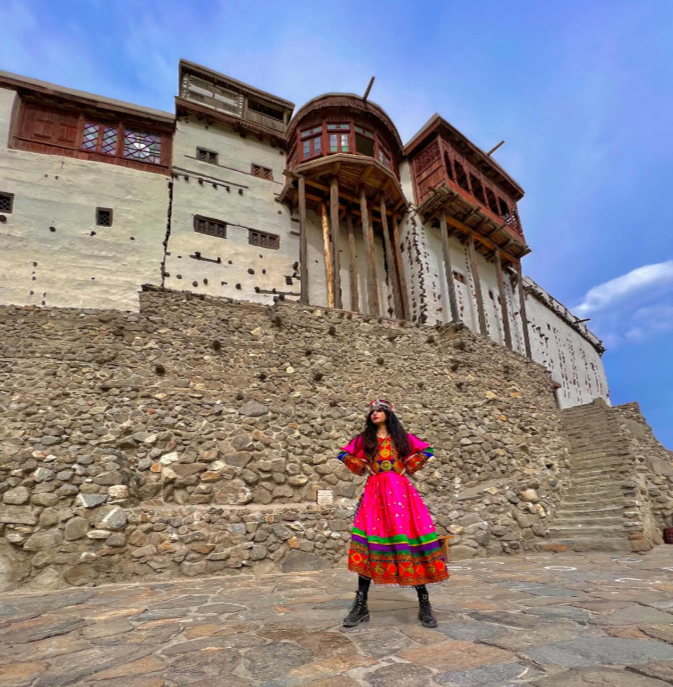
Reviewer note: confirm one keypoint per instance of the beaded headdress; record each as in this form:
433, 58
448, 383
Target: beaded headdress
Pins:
380, 404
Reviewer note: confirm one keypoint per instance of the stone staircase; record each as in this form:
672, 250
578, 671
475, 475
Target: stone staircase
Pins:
593, 513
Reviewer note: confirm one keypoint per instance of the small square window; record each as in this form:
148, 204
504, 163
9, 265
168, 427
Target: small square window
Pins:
208, 156
263, 240
104, 217
261, 172
212, 227
6, 202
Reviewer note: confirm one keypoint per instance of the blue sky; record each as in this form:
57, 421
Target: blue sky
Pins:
580, 91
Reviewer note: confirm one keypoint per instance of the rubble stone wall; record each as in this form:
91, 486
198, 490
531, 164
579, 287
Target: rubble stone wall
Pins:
192, 437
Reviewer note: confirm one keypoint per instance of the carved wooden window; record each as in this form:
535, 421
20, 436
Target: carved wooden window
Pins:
311, 142
208, 156
212, 227
7, 202
364, 141
100, 138
384, 157
261, 172
461, 177
49, 126
263, 240
491, 201
477, 188
142, 145
104, 217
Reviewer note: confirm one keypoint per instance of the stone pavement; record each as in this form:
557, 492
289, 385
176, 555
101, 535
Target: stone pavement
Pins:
550, 620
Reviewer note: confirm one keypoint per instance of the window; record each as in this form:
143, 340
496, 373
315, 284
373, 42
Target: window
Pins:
142, 145
477, 188
384, 157
263, 240
311, 142
491, 202
461, 177
6, 202
458, 276
100, 138
104, 217
208, 156
212, 227
338, 143
265, 110
261, 172
364, 141
449, 167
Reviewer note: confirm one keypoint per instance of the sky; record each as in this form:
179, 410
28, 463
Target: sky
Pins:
581, 92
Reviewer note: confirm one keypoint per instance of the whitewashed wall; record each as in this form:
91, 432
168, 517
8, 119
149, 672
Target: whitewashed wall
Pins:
70, 266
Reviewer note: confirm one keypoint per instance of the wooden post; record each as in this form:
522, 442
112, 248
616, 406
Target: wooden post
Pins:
334, 225
329, 267
522, 309
450, 283
353, 266
503, 301
477, 286
400, 269
303, 243
368, 233
392, 271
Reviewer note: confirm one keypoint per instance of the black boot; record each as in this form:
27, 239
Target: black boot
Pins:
425, 610
359, 613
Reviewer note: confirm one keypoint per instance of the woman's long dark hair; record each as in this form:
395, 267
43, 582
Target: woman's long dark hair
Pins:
397, 433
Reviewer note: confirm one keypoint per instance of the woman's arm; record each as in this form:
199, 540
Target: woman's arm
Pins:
421, 451
353, 457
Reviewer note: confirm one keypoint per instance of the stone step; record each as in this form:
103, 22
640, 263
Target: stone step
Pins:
584, 521
577, 463
600, 455
609, 531
568, 509
580, 544
587, 505
592, 496
610, 472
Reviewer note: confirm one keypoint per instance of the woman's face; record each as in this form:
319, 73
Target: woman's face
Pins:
379, 417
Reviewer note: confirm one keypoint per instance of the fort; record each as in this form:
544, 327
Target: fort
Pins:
196, 307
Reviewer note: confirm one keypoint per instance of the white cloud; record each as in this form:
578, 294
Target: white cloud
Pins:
635, 283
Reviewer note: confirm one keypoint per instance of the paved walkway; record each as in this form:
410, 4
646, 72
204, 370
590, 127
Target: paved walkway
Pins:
545, 620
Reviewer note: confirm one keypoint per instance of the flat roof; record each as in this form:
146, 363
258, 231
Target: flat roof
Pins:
17, 81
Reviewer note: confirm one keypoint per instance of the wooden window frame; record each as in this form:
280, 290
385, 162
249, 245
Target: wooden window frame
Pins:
10, 197
201, 226
98, 217
263, 239
23, 139
210, 156
260, 172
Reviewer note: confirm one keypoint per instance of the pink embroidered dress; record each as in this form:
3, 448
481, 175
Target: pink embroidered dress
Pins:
394, 539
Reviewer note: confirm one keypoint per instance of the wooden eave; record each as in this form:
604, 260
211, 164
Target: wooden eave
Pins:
183, 105
79, 100
352, 102
467, 218
229, 82
487, 165
352, 173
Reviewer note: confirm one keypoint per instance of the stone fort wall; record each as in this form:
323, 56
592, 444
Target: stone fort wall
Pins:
192, 437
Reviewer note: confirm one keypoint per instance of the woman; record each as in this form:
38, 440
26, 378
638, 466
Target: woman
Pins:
394, 539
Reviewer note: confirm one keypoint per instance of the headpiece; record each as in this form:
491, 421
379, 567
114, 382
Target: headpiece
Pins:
380, 404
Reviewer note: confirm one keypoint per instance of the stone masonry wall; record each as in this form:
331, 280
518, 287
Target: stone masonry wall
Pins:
192, 437
654, 463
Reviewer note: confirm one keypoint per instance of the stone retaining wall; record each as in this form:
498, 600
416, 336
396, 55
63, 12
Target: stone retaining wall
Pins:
192, 437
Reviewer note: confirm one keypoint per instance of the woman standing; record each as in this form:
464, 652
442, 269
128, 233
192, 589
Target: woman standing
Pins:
394, 539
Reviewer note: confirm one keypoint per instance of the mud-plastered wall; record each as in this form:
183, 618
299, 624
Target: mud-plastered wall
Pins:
52, 252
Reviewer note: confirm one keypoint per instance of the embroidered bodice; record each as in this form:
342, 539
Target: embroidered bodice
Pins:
387, 459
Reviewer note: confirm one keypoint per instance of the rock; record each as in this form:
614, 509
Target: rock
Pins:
599, 677
169, 458
118, 492
76, 528
299, 561
232, 493
271, 660
530, 495
98, 534
114, 520
91, 500
253, 409
399, 675
143, 551
238, 460
49, 539
187, 469
193, 569
460, 552
116, 540
18, 515
106, 479
512, 497
47, 500
258, 552
16, 496
49, 518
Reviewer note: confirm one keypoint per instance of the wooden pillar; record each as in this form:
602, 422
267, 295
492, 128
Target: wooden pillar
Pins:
303, 243
477, 286
392, 270
334, 226
503, 301
522, 310
327, 248
368, 233
353, 265
400, 269
448, 268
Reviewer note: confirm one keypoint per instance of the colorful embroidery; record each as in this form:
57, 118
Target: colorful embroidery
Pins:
416, 461
356, 465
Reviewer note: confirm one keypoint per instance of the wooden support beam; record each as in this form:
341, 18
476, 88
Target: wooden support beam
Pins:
390, 261
353, 264
334, 222
365, 175
327, 248
496, 229
477, 286
450, 283
473, 211
503, 301
372, 283
491, 245
400, 269
522, 310
303, 243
